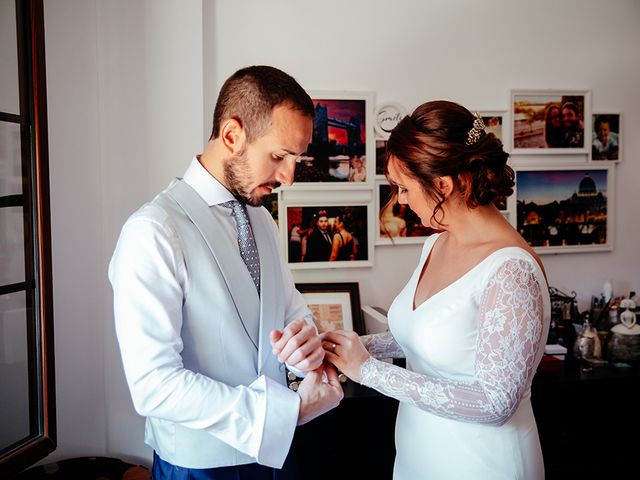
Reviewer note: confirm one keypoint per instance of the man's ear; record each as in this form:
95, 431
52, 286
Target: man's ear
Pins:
444, 186
232, 136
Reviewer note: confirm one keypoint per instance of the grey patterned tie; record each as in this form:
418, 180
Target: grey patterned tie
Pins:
246, 242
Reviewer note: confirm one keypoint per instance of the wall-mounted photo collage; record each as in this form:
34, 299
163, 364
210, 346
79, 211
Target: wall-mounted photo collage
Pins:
341, 206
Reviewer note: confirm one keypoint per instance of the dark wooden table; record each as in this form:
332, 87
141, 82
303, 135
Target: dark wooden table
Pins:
357, 436
585, 418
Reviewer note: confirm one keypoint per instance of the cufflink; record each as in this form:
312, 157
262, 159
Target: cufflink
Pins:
293, 382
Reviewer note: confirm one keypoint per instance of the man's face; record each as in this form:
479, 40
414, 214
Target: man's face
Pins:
323, 223
569, 118
603, 132
270, 160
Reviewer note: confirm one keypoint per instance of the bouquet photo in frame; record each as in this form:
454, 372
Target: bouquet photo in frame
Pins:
397, 223
327, 235
605, 139
550, 121
565, 209
335, 306
342, 149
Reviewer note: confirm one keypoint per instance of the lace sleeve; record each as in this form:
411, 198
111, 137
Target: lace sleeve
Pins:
510, 329
382, 345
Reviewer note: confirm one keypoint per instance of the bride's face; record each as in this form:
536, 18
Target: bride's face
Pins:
410, 192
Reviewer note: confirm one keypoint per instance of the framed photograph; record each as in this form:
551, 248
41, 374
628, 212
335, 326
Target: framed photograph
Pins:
341, 152
271, 202
327, 234
397, 223
565, 209
381, 148
605, 139
335, 306
387, 116
550, 121
494, 122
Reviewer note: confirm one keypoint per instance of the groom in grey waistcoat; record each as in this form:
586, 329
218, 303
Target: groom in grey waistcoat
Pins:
202, 297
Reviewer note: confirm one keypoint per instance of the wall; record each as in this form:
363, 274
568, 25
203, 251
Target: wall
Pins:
125, 116
131, 87
465, 51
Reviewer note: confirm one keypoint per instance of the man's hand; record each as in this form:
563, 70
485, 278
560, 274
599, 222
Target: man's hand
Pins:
319, 394
298, 345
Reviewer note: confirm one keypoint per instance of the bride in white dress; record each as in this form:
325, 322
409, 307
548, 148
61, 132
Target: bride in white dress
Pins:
473, 319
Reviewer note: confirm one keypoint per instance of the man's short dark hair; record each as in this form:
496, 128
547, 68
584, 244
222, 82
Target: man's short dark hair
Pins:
251, 94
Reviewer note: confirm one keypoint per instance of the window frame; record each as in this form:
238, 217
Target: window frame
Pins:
37, 240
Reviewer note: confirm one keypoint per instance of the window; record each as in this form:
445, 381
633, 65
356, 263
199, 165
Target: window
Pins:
27, 396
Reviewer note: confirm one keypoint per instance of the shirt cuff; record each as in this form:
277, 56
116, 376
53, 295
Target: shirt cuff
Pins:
298, 373
281, 418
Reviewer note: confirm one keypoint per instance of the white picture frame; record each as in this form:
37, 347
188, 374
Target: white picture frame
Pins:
528, 134
343, 136
556, 210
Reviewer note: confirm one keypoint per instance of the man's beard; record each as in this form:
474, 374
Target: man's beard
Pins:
237, 176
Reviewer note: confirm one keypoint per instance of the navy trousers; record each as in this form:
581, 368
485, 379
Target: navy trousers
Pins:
163, 470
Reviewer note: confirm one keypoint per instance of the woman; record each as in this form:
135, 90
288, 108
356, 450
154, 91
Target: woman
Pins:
553, 129
473, 319
357, 171
343, 246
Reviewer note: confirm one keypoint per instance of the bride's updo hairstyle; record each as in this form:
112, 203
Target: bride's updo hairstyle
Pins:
441, 139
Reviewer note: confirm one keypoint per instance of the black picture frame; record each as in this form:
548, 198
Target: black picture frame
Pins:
331, 296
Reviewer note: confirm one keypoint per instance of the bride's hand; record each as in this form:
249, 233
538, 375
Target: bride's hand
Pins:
346, 352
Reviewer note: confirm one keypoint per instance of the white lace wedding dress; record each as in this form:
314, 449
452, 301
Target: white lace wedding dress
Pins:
472, 350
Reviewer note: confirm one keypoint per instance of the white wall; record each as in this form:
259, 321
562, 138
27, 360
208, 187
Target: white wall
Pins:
125, 96
131, 87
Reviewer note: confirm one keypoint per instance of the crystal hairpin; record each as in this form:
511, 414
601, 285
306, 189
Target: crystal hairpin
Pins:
476, 130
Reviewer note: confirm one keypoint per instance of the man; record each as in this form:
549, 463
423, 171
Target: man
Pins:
201, 296
317, 247
573, 128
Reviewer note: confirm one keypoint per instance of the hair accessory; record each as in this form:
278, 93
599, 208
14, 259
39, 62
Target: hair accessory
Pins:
476, 130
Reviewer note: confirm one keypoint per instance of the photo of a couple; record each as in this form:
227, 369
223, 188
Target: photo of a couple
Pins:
548, 121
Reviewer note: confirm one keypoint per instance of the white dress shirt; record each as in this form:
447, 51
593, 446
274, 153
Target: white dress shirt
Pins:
150, 281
